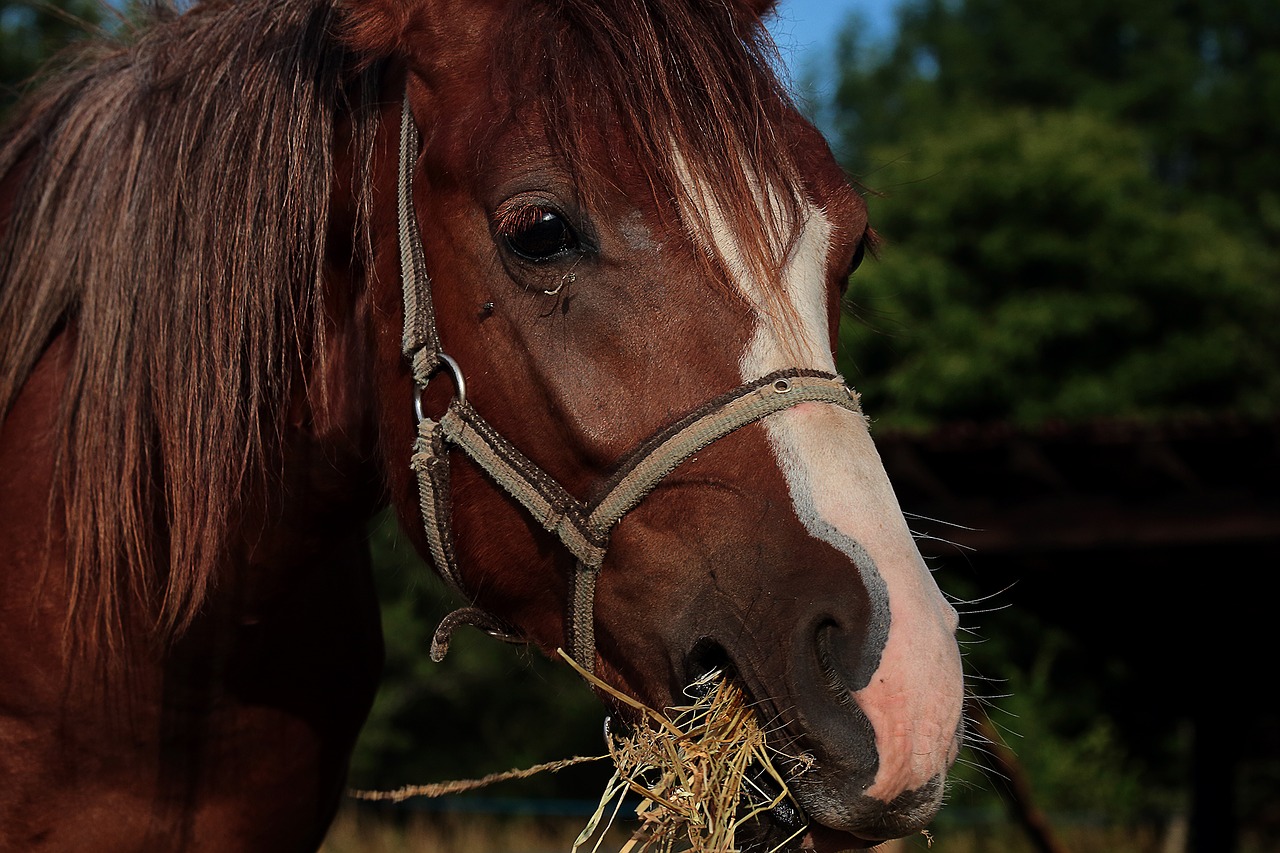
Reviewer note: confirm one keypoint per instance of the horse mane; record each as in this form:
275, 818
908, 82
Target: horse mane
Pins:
171, 215
171, 211
691, 87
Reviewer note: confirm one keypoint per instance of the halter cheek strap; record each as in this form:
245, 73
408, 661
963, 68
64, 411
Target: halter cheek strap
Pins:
583, 527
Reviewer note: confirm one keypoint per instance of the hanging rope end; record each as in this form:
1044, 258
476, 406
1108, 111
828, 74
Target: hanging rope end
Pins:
477, 618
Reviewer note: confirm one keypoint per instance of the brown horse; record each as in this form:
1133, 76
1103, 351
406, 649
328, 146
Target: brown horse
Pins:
614, 254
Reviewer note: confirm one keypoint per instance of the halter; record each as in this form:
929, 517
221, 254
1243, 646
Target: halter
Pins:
582, 526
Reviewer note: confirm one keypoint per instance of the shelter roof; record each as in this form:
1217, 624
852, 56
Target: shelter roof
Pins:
1112, 484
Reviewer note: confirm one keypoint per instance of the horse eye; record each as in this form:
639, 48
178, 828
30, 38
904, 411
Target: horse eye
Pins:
857, 258
858, 255
538, 234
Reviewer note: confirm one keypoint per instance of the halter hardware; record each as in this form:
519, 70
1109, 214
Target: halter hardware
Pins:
583, 527
459, 385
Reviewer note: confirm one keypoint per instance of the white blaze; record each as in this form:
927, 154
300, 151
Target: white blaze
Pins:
842, 496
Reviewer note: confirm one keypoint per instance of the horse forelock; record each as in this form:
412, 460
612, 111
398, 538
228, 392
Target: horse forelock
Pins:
688, 89
170, 210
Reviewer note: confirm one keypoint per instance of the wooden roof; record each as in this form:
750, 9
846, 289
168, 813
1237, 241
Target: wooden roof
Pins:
1109, 485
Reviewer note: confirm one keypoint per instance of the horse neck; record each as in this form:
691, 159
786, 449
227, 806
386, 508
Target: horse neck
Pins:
301, 511
328, 483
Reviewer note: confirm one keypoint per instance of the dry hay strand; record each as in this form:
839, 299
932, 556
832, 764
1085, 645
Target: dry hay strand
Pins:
694, 769
444, 789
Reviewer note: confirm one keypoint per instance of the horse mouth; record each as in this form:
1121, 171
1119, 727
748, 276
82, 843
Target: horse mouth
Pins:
787, 826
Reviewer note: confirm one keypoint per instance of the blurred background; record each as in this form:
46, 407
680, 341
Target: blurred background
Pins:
1069, 346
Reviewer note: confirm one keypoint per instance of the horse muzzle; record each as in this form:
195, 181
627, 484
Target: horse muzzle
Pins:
867, 752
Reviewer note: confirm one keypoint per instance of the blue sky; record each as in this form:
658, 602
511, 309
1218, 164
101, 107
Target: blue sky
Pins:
805, 30
804, 26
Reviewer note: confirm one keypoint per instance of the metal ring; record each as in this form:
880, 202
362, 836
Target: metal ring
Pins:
417, 402
459, 385
782, 386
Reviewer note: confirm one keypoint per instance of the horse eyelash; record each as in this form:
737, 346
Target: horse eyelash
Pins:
512, 217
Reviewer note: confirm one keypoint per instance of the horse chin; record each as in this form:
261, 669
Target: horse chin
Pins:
772, 834
825, 814
787, 829
836, 825
824, 824
824, 840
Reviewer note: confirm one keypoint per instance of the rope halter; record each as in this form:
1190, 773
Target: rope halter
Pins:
583, 527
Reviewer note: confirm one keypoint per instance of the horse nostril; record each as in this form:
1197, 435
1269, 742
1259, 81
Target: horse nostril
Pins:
844, 660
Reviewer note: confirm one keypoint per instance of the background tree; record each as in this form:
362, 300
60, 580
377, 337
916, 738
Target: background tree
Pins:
1198, 78
1080, 204
1035, 269
33, 31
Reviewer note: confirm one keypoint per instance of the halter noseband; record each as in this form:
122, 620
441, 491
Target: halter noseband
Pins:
583, 527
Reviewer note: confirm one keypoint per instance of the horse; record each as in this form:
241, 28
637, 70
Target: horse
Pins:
556, 280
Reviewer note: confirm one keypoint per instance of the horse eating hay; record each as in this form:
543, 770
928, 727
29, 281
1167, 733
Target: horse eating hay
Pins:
558, 279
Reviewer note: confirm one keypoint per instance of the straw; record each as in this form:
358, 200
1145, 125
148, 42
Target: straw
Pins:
694, 768
691, 767
441, 789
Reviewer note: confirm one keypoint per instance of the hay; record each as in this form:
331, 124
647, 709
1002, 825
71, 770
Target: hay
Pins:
692, 768
444, 789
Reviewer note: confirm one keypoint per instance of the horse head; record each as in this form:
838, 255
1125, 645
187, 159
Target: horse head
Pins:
626, 225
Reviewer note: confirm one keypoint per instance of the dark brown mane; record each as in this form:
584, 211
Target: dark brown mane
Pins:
679, 79
171, 210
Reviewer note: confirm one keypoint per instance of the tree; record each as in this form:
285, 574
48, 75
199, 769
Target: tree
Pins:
33, 31
1195, 77
1079, 215
1035, 270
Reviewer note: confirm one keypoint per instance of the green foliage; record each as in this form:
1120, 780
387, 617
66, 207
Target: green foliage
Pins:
487, 707
1080, 218
1193, 76
1036, 270
33, 31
